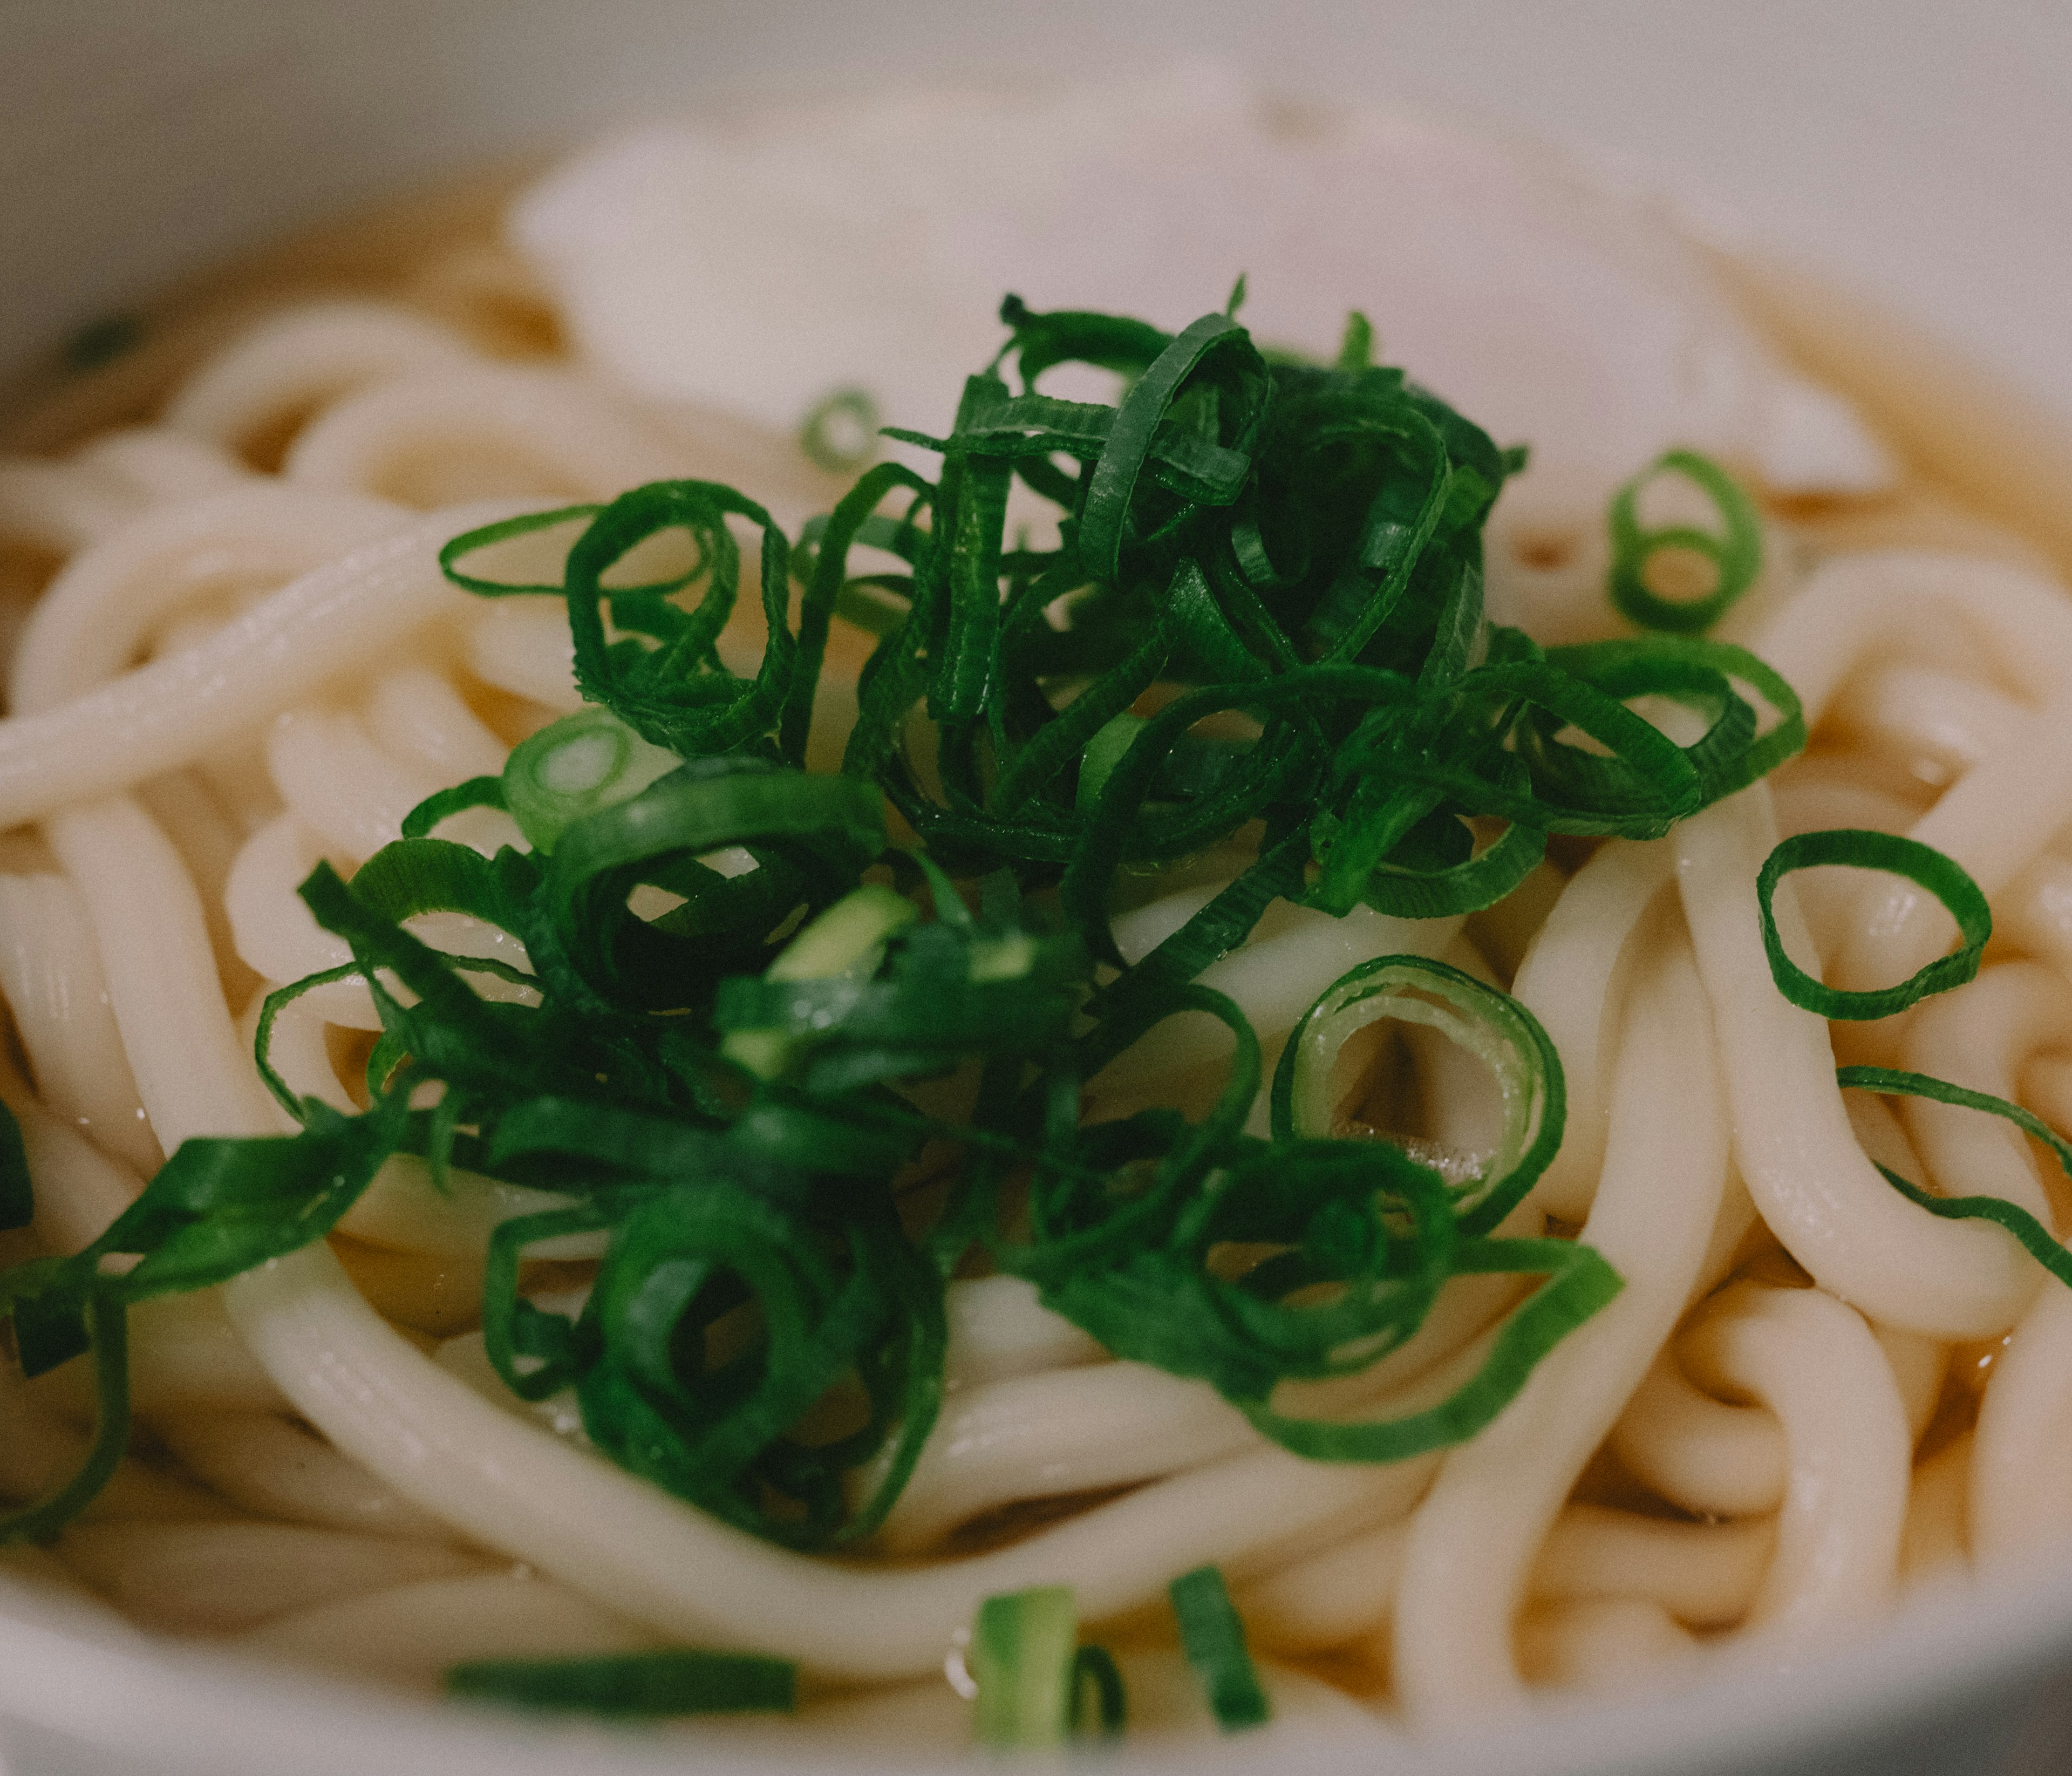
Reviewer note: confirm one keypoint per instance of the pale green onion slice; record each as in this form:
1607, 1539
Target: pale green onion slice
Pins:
1491, 1026
848, 939
574, 767
1023, 1658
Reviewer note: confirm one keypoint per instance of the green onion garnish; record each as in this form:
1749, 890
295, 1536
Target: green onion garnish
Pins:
574, 767
841, 433
1735, 551
1921, 865
2037, 1239
1032, 1674
18, 1195
102, 342
634, 1684
1213, 1634
1262, 614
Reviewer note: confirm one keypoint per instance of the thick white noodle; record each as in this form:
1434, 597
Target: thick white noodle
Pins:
1793, 1145
617, 1538
1813, 1362
1610, 1648
478, 430
163, 465
325, 626
295, 363
97, 614
276, 1469
1046, 1436
1570, 981
412, 1633
1705, 1456
2021, 1458
998, 1328
1980, 1036
59, 508
1472, 1544
214, 1578
50, 971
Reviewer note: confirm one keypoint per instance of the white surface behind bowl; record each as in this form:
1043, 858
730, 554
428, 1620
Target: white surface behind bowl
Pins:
1913, 149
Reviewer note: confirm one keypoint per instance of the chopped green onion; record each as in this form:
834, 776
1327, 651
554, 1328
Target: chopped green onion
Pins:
709, 1066
1921, 865
2036, 1239
845, 941
841, 433
442, 805
574, 767
102, 342
1213, 1634
101, 1321
1735, 552
1022, 1659
626, 1685
1491, 1026
18, 1195
1104, 1712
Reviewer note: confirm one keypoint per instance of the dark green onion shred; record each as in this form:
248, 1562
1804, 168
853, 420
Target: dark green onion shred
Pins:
676, 1681
1920, 864
18, 1195
1213, 1634
2037, 1239
1100, 1702
102, 342
1734, 551
1257, 623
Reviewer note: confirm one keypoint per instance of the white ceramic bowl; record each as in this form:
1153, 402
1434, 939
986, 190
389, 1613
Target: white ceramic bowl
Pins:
1906, 147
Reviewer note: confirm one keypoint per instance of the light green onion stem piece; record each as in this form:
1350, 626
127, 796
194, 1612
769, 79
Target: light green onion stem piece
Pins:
847, 939
574, 767
1023, 1659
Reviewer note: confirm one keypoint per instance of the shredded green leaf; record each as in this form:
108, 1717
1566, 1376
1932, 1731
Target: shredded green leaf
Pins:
1921, 865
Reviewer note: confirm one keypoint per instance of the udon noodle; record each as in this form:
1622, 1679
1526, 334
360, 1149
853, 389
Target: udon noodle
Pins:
232, 654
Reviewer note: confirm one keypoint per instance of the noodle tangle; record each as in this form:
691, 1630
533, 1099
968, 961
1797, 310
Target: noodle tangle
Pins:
246, 661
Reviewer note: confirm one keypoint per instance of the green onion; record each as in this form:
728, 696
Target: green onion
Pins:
1735, 552
1213, 1634
572, 767
1024, 1657
1100, 1703
841, 433
102, 342
1491, 1026
1284, 560
18, 1195
624, 1685
2036, 1239
1921, 865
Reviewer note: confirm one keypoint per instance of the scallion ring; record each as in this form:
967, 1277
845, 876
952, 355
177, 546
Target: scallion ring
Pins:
1897, 855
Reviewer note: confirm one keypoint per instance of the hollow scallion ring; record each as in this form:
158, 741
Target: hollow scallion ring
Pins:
1921, 865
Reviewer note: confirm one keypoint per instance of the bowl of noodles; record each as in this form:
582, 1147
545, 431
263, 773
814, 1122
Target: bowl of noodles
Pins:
875, 896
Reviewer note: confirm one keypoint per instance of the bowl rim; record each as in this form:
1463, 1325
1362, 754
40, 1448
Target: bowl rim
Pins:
1991, 1637
1966, 1643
